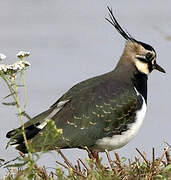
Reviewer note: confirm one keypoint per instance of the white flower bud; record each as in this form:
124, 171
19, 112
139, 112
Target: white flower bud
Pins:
22, 54
2, 56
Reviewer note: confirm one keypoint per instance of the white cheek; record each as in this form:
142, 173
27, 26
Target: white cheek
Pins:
142, 67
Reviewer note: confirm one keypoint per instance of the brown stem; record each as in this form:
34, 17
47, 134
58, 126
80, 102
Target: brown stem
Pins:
110, 160
143, 157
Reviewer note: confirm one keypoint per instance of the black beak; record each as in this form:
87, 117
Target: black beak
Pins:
159, 68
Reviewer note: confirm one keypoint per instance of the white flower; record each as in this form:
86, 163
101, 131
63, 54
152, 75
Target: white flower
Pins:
22, 54
14, 68
3, 67
27, 63
2, 56
19, 65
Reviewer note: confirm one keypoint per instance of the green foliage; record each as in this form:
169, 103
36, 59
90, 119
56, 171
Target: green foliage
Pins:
51, 133
158, 169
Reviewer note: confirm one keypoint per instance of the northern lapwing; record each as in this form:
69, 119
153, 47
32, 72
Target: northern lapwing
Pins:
101, 113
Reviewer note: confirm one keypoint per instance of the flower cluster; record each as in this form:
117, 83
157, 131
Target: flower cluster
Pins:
22, 54
14, 68
17, 66
10, 69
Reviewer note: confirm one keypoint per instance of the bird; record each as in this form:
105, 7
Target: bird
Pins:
101, 113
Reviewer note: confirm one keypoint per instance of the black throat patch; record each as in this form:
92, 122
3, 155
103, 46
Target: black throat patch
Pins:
140, 83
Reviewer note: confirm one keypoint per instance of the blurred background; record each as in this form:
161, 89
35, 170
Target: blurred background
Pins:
71, 41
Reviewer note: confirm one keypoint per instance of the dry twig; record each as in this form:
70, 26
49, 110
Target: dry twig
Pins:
142, 156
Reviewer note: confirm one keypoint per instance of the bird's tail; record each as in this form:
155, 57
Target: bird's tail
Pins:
31, 129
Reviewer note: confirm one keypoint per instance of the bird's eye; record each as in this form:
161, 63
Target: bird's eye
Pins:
149, 56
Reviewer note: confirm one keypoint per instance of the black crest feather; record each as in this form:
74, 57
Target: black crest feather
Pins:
124, 34
114, 23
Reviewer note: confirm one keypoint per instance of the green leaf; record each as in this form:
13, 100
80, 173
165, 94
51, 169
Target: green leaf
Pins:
9, 95
9, 104
17, 164
23, 113
167, 168
123, 159
157, 177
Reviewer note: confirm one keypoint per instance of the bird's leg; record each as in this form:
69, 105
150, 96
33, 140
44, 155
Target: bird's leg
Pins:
92, 154
95, 155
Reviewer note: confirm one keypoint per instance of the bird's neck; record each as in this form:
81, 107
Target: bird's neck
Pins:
140, 82
132, 75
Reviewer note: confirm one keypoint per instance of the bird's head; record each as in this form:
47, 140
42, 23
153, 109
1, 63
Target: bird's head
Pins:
141, 55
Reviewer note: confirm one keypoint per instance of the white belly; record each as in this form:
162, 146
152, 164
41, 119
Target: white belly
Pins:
117, 141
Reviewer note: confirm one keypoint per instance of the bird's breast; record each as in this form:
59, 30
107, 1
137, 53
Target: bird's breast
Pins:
119, 140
